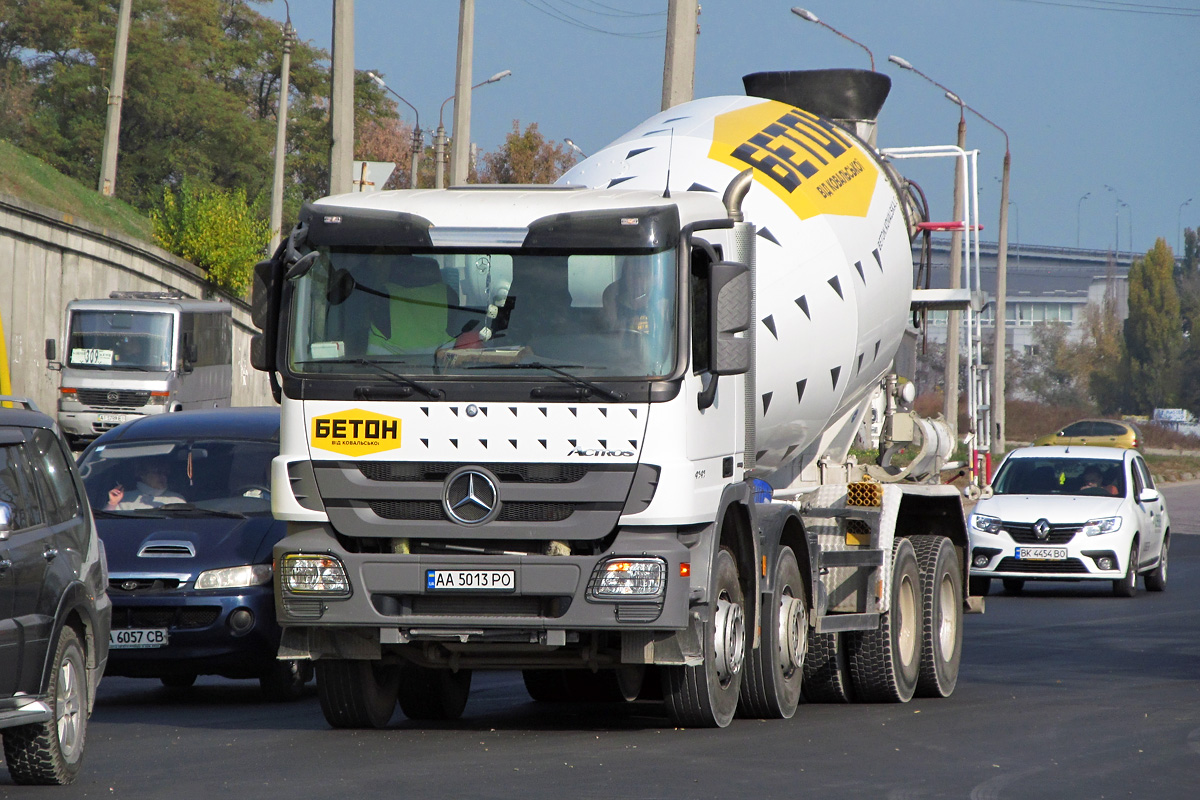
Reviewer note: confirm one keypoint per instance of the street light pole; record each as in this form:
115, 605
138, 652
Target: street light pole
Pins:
112, 124
341, 99
1078, 208
289, 38
679, 63
1117, 201
439, 139
460, 149
418, 138
953, 317
582, 154
811, 17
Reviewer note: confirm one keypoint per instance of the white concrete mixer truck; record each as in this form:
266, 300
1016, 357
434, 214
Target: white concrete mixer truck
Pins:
598, 432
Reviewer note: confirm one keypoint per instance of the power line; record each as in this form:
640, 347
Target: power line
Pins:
615, 12
563, 16
1119, 8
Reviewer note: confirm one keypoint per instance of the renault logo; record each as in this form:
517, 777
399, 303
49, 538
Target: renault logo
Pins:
470, 496
1041, 529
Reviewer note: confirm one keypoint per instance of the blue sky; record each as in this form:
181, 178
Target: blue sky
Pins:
1091, 92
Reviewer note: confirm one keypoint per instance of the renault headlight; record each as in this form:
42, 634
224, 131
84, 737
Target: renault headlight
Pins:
235, 577
1095, 527
982, 522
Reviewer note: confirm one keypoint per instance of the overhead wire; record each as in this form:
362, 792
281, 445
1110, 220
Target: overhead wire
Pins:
554, 12
1118, 7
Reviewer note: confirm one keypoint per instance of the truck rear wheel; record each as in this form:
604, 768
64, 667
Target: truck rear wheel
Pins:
771, 688
706, 696
433, 694
941, 615
357, 694
826, 669
885, 662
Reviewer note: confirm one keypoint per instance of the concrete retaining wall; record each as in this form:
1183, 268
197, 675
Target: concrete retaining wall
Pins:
48, 258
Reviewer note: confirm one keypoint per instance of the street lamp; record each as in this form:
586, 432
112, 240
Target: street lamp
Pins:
1078, 209
811, 17
418, 139
439, 138
289, 39
1178, 225
582, 154
953, 316
1118, 202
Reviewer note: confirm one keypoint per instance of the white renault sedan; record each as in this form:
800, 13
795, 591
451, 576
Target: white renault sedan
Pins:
1069, 514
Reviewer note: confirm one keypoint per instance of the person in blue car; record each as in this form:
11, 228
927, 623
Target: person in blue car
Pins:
151, 490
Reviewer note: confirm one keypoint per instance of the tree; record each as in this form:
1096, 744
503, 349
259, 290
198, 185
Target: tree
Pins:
525, 157
1191, 251
1103, 336
1053, 372
214, 229
1153, 331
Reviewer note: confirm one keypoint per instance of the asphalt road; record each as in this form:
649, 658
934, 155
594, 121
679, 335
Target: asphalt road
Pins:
1065, 692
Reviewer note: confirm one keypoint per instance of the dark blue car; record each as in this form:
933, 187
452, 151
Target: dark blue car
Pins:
183, 504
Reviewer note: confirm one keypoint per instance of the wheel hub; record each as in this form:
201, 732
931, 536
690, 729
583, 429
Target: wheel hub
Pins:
947, 625
730, 639
793, 634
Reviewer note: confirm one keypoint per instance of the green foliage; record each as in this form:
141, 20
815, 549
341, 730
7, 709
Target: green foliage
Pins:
214, 229
1153, 331
1052, 372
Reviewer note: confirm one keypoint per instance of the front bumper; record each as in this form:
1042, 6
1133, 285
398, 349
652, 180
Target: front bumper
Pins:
201, 639
1006, 558
550, 593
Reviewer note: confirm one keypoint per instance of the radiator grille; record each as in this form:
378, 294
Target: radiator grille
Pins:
142, 585
431, 510
105, 398
1022, 532
439, 470
170, 617
1068, 566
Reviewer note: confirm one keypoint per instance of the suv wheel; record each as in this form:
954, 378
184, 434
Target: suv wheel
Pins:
51, 752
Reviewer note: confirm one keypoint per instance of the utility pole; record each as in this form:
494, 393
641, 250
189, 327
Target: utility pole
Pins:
679, 67
460, 146
1001, 347
289, 37
341, 100
112, 124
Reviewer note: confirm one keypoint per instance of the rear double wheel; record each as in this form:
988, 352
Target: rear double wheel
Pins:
885, 663
775, 669
941, 615
357, 694
706, 695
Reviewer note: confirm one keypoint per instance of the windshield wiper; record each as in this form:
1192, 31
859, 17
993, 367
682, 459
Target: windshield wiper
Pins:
431, 392
557, 369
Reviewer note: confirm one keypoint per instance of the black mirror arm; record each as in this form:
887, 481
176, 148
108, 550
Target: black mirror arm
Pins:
708, 395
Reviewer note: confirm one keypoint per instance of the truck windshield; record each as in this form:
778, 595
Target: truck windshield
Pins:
128, 340
473, 313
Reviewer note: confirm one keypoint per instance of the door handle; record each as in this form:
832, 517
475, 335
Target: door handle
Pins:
51, 553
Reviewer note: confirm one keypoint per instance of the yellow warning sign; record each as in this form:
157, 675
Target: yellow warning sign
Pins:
355, 432
811, 164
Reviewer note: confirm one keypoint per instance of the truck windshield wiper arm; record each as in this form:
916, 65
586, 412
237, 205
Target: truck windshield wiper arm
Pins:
557, 369
429, 391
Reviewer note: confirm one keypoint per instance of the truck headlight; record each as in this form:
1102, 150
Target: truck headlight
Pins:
1095, 527
628, 578
158, 398
235, 577
313, 574
982, 522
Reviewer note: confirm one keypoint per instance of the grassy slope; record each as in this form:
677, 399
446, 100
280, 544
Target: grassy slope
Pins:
35, 181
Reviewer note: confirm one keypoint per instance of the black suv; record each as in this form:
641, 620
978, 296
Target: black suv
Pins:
54, 613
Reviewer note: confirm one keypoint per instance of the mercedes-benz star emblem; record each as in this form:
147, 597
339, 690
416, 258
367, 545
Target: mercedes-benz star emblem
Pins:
470, 496
113, 397
1041, 529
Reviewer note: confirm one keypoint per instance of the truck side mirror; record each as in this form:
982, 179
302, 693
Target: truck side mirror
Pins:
729, 315
264, 311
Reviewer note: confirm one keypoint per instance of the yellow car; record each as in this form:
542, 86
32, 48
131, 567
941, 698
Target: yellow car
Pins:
1101, 432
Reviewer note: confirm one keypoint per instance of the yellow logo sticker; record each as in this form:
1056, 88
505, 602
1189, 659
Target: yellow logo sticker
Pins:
355, 432
811, 164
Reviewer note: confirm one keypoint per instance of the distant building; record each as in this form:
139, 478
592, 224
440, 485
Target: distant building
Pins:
1045, 284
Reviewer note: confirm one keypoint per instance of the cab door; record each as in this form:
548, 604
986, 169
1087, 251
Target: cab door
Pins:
23, 562
1152, 516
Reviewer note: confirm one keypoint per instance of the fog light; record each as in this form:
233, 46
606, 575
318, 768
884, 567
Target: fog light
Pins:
313, 574
981, 560
629, 578
1106, 562
241, 621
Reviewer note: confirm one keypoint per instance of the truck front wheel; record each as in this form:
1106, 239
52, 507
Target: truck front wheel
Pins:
706, 695
771, 688
357, 694
433, 694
